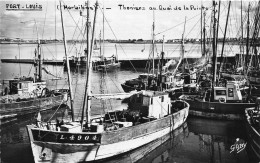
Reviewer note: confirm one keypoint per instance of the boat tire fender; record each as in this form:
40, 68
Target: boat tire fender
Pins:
222, 100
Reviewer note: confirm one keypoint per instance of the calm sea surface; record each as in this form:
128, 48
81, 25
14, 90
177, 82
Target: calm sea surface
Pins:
198, 140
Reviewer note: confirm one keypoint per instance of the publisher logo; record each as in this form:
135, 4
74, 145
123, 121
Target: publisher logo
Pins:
238, 146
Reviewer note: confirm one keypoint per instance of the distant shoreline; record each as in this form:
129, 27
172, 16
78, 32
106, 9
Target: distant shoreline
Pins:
118, 42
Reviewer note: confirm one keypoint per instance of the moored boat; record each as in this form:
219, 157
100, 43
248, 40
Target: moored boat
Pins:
227, 103
26, 95
219, 100
149, 116
106, 64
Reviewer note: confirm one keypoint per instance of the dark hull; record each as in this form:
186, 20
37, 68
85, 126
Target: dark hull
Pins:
108, 67
253, 137
217, 110
127, 88
30, 106
89, 146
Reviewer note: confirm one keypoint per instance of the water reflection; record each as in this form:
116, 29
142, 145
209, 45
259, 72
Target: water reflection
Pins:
214, 139
15, 146
198, 140
155, 151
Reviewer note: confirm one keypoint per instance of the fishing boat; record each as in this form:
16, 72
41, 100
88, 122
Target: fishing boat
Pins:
247, 64
26, 95
219, 100
227, 103
165, 79
150, 115
253, 129
113, 134
148, 82
104, 63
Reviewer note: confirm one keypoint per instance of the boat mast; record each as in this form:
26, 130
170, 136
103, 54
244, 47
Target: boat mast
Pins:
88, 103
38, 73
153, 42
242, 38
161, 65
68, 66
217, 26
214, 46
204, 34
201, 30
247, 40
224, 39
87, 55
116, 60
255, 36
182, 48
100, 51
39, 62
103, 33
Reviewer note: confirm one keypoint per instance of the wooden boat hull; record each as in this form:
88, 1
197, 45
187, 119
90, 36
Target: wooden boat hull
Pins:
89, 146
217, 110
108, 66
25, 107
127, 88
253, 136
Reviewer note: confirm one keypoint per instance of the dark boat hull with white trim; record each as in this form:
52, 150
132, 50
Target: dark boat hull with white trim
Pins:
217, 110
57, 146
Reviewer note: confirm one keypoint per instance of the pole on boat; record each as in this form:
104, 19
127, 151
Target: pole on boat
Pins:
204, 33
116, 60
35, 66
153, 42
103, 41
87, 55
88, 100
182, 47
201, 32
224, 39
100, 49
214, 58
39, 61
161, 66
214, 45
68, 65
217, 28
247, 40
241, 56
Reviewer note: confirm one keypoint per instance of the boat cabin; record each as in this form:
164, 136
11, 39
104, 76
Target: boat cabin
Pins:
254, 76
229, 93
18, 86
151, 104
170, 80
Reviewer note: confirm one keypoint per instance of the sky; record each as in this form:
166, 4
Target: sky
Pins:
122, 19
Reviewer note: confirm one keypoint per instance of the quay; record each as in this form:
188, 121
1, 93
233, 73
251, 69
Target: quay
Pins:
32, 61
125, 63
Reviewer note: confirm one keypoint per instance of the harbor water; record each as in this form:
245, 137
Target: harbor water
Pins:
198, 140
